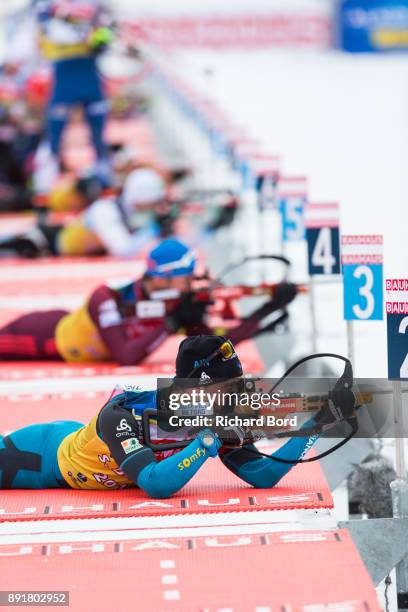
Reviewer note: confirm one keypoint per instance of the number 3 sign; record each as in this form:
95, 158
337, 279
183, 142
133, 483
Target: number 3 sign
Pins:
396, 308
362, 262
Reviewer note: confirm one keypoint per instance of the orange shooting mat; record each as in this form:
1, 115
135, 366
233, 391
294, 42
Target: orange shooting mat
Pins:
306, 571
213, 489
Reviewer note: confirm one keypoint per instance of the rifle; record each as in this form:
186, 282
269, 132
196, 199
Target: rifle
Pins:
224, 296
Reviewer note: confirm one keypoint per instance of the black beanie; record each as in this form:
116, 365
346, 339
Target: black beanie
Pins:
196, 359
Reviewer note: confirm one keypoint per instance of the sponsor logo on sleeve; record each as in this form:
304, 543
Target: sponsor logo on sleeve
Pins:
109, 314
123, 426
187, 461
130, 445
124, 429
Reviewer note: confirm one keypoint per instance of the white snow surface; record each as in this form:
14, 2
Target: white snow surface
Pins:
341, 120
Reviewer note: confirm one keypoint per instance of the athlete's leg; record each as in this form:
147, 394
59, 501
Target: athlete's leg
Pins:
45, 169
58, 115
51, 234
95, 113
31, 336
95, 104
37, 242
20, 246
28, 456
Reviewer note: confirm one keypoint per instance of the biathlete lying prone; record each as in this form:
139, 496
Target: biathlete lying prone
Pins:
126, 324
113, 451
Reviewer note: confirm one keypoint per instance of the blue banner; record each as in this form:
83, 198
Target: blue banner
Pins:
373, 25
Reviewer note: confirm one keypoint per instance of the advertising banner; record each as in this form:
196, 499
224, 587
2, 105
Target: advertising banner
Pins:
373, 25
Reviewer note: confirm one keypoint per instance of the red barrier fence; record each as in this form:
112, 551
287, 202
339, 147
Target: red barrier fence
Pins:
235, 31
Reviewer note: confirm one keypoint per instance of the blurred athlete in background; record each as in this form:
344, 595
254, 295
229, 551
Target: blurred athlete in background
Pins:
21, 130
109, 223
72, 34
105, 227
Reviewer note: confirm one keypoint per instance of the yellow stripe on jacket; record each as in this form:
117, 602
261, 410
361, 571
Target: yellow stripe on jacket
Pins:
76, 239
54, 51
78, 340
85, 461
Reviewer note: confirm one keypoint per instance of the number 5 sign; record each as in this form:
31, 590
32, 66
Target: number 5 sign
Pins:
362, 262
292, 201
323, 238
396, 308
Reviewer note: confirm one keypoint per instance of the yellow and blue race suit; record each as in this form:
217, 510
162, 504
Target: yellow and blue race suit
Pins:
110, 453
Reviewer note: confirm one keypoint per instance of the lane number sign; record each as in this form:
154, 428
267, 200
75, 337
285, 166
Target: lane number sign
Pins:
396, 308
292, 202
323, 238
362, 266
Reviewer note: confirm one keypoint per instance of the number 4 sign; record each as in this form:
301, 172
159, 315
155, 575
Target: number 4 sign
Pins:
362, 262
396, 308
323, 238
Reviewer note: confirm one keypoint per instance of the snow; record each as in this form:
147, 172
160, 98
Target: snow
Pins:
342, 121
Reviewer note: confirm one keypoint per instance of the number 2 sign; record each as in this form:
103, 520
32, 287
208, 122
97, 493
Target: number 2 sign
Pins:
323, 238
362, 263
396, 308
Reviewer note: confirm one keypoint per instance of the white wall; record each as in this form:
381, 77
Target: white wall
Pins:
215, 7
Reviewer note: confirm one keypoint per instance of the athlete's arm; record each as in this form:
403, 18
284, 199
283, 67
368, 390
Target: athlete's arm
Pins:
251, 326
103, 308
43, 10
170, 475
264, 472
104, 218
116, 427
248, 328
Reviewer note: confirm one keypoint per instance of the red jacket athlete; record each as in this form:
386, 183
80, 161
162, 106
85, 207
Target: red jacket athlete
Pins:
125, 324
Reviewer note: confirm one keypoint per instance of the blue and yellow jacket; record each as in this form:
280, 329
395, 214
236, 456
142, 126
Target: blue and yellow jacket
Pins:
62, 38
110, 453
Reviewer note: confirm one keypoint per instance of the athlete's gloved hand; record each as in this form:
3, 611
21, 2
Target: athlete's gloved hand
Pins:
209, 441
341, 405
224, 216
187, 312
231, 437
165, 222
179, 174
100, 39
282, 296
234, 436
